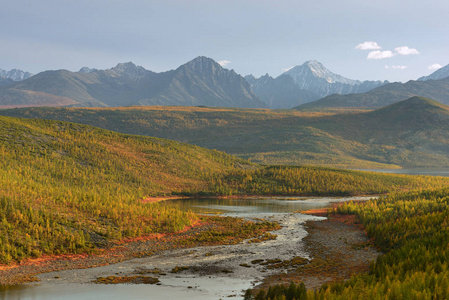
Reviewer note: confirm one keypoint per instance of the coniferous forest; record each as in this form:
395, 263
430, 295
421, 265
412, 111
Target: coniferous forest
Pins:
412, 231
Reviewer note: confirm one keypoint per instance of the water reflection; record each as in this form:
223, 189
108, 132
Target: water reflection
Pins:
415, 171
96, 292
251, 206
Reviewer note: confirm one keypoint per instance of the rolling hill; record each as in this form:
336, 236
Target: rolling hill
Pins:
409, 134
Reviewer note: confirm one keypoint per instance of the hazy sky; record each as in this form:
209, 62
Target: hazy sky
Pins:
405, 37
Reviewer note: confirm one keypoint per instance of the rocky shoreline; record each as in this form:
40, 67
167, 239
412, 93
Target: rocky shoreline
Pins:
27, 270
339, 248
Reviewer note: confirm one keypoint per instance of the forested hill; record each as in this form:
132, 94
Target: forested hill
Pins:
65, 187
411, 133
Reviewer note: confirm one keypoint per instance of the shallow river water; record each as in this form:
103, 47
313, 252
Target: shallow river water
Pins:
214, 272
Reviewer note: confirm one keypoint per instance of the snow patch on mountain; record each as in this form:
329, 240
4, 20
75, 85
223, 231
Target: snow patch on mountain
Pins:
16, 75
314, 77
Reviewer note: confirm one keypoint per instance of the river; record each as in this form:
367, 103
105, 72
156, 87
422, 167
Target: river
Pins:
214, 272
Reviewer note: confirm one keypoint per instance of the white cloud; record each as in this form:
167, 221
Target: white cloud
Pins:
395, 67
224, 63
368, 46
404, 50
287, 69
434, 67
380, 54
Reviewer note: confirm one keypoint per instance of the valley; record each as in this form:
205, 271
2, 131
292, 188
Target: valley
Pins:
266, 200
73, 196
211, 150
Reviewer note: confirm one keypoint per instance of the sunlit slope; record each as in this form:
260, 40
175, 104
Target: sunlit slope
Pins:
414, 132
263, 136
409, 133
65, 186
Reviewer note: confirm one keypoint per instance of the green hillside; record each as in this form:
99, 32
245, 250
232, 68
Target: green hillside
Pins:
263, 136
68, 188
408, 134
64, 187
413, 132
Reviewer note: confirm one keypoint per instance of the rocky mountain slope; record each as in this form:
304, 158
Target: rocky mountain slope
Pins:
203, 81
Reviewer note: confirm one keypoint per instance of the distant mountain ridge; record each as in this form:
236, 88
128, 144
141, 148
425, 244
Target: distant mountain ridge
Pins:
201, 81
305, 83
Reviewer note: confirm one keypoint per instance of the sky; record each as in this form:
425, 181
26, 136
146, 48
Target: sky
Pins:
393, 40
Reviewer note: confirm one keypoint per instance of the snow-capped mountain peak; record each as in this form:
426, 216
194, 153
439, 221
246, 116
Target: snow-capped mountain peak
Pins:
314, 77
312, 68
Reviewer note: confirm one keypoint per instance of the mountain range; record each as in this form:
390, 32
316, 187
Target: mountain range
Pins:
203, 81
411, 133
